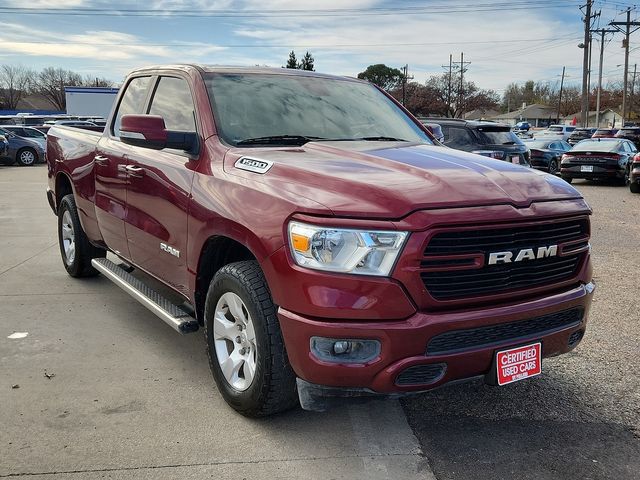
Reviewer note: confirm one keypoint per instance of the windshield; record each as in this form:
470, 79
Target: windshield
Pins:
555, 129
256, 106
499, 136
538, 144
595, 146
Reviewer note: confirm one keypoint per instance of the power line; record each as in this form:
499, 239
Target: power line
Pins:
208, 13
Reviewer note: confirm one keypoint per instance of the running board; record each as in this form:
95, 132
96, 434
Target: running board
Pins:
176, 317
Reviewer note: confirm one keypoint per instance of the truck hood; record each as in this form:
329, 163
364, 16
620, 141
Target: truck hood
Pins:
392, 179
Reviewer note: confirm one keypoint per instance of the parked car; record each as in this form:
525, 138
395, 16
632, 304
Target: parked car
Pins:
488, 139
323, 243
24, 151
557, 132
598, 159
546, 154
71, 123
630, 133
522, 126
605, 133
28, 132
634, 175
580, 134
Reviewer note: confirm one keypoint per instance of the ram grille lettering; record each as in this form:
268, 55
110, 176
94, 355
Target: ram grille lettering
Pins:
496, 258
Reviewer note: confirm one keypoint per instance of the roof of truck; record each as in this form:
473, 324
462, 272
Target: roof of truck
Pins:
236, 69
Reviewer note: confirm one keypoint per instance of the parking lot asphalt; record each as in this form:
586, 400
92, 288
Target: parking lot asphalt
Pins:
581, 418
100, 388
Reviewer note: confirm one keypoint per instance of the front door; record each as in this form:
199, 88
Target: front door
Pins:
159, 190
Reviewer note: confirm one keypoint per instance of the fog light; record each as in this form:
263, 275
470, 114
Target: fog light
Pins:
339, 350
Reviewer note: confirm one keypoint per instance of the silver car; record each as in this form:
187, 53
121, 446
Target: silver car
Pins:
23, 151
28, 132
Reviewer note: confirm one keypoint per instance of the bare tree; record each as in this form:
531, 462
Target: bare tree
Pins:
51, 82
14, 82
91, 81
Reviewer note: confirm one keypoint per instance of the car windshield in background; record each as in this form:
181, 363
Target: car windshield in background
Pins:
537, 144
286, 109
595, 146
555, 129
499, 136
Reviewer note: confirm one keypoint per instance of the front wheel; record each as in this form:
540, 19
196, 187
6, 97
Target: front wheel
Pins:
245, 347
75, 248
567, 179
634, 187
27, 157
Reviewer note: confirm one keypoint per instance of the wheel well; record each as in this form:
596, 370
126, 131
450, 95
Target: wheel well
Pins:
63, 187
217, 252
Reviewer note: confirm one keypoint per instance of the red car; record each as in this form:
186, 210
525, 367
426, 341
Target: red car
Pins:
325, 245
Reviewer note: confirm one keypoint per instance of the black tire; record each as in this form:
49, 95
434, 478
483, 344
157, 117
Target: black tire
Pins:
80, 264
634, 187
567, 179
27, 157
553, 166
273, 388
626, 179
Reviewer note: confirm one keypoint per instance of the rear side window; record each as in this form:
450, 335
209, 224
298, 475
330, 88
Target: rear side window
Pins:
456, 137
132, 101
172, 100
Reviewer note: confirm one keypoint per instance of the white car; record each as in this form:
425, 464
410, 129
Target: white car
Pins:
556, 132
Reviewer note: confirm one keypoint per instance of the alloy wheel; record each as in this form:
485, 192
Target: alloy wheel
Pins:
68, 238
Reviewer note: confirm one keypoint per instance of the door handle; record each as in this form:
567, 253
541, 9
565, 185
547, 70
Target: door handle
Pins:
134, 171
100, 160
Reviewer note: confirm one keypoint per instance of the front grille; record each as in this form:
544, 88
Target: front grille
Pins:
495, 279
421, 374
457, 340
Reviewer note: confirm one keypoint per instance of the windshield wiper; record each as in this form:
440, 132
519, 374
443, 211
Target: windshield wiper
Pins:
278, 140
381, 139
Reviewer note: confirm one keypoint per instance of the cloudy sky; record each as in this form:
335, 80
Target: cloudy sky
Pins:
505, 41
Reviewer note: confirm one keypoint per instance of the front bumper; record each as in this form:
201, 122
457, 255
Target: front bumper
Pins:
404, 343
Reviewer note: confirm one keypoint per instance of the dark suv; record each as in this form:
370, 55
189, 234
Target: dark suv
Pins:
630, 133
580, 134
484, 138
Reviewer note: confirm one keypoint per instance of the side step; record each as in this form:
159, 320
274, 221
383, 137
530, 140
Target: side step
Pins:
177, 318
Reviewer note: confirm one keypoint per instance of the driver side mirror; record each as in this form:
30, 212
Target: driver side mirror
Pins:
149, 131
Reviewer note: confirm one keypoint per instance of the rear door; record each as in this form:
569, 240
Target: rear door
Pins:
159, 189
110, 163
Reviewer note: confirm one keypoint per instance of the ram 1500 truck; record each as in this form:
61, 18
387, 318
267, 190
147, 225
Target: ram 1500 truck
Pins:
321, 240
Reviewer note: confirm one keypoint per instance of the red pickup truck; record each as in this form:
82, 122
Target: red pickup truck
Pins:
322, 241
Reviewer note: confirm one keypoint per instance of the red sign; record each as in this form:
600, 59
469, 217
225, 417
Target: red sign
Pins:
518, 363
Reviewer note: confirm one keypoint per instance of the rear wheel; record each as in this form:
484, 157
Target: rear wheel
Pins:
27, 157
245, 348
75, 249
553, 166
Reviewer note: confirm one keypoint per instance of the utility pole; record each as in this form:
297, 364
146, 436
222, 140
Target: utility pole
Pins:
461, 92
560, 99
627, 31
449, 82
405, 77
633, 82
602, 32
585, 63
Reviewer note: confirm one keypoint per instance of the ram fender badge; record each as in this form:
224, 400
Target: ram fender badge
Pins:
253, 165
170, 250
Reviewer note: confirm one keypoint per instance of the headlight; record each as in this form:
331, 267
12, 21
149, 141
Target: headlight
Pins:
361, 252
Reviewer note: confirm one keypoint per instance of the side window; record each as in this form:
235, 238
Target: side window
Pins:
458, 137
172, 100
554, 146
132, 101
